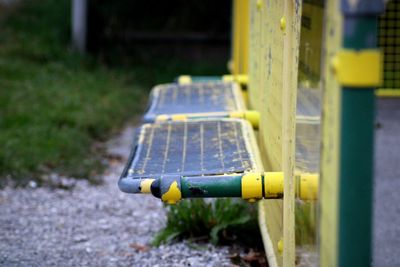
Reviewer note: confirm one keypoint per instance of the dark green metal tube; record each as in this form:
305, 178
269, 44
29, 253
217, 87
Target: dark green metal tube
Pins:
211, 186
356, 154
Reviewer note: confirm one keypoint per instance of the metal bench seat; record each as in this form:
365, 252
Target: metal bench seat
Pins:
208, 158
195, 100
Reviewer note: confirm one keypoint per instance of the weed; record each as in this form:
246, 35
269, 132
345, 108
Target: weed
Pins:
220, 221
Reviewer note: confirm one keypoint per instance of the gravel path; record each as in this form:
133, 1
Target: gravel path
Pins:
386, 215
92, 226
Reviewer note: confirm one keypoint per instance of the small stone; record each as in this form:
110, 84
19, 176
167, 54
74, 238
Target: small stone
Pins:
80, 238
32, 184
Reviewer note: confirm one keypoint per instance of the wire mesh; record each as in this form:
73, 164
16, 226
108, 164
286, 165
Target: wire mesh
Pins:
389, 41
192, 148
204, 97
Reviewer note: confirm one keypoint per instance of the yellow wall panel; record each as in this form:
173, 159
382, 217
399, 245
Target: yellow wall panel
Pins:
240, 34
254, 52
330, 141
274, 42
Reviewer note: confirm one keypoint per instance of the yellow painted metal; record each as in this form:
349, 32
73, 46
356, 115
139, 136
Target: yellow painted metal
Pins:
173, 194
234, 61
240, 44
252, 116
184, 79
145, 185
259, 4
307, 186
241, 79
283, 24
292, 12
162, 118
268, 231
358, 68
245, 96
179, 117
270, 211
272, 91
328, 219
173, 117
236, 114
280, 246
245, 22
255, 81
252, 187
388, 92
273, 184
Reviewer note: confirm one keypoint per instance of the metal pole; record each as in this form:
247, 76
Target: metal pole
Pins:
79, 25
357, 139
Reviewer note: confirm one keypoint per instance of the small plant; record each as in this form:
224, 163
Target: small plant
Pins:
305, 223
220, 221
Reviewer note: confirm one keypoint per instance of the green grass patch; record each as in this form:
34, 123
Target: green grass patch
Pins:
55, 104
220, 221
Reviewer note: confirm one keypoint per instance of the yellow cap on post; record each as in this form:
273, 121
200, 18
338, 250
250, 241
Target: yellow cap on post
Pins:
361, 68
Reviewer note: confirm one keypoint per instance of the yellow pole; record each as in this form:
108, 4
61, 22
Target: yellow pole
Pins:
235, 38
240, 31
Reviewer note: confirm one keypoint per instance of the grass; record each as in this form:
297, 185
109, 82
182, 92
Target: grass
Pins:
220, 221
55, 105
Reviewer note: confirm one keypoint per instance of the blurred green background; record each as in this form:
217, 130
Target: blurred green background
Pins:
57, 106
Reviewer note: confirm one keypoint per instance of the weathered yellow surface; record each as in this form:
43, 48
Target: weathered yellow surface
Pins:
255, 82
330, 138
289, 97
272, 90
240, 46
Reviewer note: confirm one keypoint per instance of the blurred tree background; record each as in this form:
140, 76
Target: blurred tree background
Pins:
178, 29
56, 105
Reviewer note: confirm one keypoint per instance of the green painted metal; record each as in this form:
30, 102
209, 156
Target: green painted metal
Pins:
209, 186
356, 154
206, 78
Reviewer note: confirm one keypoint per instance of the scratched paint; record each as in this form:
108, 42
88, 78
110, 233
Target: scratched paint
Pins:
270, 72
